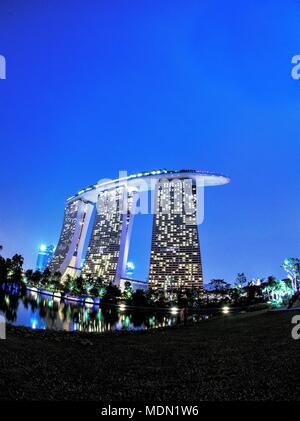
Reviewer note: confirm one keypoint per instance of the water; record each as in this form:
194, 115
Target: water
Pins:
41, 311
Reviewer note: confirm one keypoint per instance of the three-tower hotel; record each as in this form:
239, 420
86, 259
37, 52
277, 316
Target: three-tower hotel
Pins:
102, 215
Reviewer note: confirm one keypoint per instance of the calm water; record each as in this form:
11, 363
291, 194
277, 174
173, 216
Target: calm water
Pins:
41, 311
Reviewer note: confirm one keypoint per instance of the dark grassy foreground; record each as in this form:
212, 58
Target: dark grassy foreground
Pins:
245, 357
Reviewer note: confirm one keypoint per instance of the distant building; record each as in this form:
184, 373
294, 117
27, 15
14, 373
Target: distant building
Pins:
44, 257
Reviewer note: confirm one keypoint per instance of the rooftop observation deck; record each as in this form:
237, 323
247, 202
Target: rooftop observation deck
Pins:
147, 181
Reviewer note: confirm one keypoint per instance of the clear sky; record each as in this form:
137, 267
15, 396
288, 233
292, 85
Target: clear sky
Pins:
94, 87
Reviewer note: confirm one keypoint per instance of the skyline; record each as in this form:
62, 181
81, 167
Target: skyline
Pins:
192, 86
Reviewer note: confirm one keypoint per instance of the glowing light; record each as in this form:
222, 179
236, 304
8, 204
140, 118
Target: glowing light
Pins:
174, 310
34, 323
130, 265
126, 322
122, 307
225, 310
43, 247
89, 300
57, 296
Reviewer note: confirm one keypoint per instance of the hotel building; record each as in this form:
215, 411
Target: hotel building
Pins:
108, 250
101, 217
175, 260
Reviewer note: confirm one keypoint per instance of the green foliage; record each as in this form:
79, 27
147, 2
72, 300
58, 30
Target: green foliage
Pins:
11, 269
127, 294
292, 268
279, 291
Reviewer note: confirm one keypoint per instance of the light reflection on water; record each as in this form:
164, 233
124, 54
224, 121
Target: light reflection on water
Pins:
41, 311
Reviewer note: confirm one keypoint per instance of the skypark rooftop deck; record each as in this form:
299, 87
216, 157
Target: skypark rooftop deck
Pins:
148, 179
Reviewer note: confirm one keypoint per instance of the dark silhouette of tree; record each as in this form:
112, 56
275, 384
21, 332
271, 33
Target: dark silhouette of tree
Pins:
79, 285
56, 283
219, 285
46, 278
28, 275
15, 268
139, 299
68, 284
112, 294
241, 280
36, 278
3, 269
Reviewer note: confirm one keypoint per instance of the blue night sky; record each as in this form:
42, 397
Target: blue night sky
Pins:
94, 87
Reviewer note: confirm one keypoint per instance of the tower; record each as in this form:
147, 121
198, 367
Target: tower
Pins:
44, 257
175, 260
108, 249
68, 254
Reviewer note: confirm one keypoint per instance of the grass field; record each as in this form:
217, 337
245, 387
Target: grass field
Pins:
246, 357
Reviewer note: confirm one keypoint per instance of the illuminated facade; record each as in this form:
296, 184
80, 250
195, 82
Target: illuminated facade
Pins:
175, 260
68, 253
44, 257
108, 249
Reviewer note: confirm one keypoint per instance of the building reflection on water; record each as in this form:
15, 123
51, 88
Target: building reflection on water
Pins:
40, 311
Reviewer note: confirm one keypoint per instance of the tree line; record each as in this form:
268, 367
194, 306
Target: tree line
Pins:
217, 292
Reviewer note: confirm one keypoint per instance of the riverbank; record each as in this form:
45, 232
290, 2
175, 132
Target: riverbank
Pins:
250, 356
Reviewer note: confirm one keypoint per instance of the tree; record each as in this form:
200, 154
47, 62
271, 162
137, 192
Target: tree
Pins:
28, 275
112, 294
139, 298
241, 280
219, 285
56, 280
87, 285
271, 280
279, 291
79, 285
46, 278
36, 278
15, 268
94, 287
3, 269
292, 268
68, 284
99, 285
254, 293
127, 294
